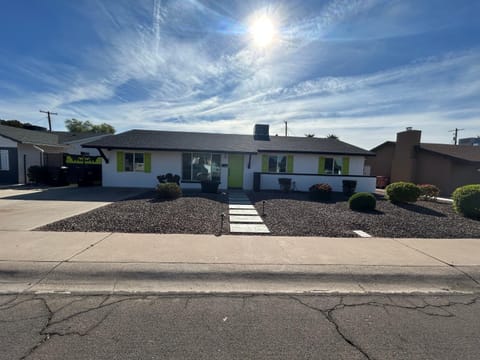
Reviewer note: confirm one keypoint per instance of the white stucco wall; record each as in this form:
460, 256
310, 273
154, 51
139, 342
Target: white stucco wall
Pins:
303, 182
4, 142
171, 162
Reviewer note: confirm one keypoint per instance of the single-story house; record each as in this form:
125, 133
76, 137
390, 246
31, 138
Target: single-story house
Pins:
137, 157
444, 165
21, 148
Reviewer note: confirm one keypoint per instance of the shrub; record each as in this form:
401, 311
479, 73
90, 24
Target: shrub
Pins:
466, 201
428, 191
362, 201
169, 191
320, 192
402, 192
39, 174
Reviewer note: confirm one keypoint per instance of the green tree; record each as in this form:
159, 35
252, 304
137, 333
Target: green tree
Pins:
310, 135
332, 136
74, 125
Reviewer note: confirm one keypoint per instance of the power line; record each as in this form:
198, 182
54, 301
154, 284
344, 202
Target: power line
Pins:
49, 119
455, 136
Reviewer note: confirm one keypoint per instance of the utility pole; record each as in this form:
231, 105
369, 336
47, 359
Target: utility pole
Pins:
286, 132
49, 119
455, 136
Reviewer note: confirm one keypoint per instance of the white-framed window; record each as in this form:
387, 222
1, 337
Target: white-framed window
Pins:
277, 163
4, 163
333, 166
134, 162
201, 166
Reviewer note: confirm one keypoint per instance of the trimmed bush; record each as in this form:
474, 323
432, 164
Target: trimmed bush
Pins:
362, 201
428, 191
402, 192
320, 192
466, 201
39, 175
169, 191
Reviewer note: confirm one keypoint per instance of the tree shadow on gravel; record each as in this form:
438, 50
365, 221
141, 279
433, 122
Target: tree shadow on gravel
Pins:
369, 212
420, 210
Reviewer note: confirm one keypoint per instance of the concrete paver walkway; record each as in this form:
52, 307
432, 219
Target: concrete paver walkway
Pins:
243, 216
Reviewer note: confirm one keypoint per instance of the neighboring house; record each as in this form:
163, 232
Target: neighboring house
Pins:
474, 141
407, 159
22, 148
137, 157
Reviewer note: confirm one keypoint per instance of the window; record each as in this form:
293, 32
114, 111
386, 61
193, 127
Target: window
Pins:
200, 166
277, 163
4, 165
134, 162
334, 166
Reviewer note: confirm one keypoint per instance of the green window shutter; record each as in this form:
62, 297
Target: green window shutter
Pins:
264, 163
289, 164
321, 165
148, 162
120, 159
346, 166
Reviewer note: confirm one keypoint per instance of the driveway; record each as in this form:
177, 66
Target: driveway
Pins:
27, 209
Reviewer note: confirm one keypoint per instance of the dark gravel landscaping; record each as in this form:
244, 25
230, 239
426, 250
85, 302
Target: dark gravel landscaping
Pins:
293, 214
194, 213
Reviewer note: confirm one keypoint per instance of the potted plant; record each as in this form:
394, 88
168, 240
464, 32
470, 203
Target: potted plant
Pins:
349, 187
209, 185
321, 192
285, 184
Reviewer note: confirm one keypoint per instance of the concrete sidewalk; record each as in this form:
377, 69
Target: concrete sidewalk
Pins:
162, 263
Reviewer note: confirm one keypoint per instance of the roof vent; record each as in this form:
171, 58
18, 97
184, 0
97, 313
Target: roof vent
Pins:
261, 132
409, 128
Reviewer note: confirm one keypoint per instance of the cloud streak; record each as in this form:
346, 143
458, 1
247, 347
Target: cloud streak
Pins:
187, 66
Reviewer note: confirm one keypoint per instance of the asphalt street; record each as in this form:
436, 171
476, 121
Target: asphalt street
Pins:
240, 327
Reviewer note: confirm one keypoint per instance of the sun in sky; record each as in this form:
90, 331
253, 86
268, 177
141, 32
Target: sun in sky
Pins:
262, 30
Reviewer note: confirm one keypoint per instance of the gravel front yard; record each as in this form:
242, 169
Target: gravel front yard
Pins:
194, 213
294, 214
290, 214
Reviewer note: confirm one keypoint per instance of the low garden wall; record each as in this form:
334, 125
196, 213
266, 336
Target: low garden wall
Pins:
302, 182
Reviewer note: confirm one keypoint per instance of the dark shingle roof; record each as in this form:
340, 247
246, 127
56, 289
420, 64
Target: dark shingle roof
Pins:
189, 141
462, 152
25, 136
309, 145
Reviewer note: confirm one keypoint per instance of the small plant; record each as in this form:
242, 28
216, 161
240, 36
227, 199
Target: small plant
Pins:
320, 192
428, 191
285, 184
169, 191
362, 201
402, 192
466, 201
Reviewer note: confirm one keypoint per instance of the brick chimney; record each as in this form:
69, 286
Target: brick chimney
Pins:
404, 158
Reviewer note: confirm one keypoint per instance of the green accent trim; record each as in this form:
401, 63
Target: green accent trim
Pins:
346, 166
120, 160
148, 162
321, 165
264, 163
289, 164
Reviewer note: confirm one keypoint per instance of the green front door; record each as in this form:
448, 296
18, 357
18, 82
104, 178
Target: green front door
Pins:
235, 171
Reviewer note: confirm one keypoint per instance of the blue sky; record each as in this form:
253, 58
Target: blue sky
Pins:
362, 70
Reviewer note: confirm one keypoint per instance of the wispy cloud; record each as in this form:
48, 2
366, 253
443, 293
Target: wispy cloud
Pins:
189, 65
